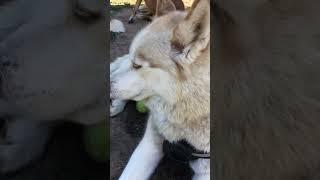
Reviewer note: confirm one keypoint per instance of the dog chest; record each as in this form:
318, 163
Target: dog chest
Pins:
174, 132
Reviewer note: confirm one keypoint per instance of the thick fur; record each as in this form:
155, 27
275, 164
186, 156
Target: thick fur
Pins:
52, 65
176, 91
266, 102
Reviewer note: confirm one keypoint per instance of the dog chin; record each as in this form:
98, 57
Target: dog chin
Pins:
139, 97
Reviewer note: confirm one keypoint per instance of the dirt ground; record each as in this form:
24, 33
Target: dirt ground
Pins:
128, 127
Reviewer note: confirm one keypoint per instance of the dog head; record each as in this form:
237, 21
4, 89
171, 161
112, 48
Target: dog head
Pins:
164, 55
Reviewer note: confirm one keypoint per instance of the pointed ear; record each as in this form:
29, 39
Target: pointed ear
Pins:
192, 36
164, 7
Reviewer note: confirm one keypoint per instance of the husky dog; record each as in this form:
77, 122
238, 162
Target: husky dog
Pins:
168, 66
52, 66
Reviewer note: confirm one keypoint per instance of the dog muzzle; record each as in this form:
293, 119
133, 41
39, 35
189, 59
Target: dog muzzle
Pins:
183, 152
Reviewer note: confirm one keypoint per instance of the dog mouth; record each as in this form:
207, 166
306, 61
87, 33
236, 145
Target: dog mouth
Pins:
137, 96
115, 95
120, 95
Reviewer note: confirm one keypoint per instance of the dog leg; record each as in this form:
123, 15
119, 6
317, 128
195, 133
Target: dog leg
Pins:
145, 157
134, 12
22, 142
201, 168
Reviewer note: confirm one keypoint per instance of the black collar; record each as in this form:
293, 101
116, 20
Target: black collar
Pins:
183, 152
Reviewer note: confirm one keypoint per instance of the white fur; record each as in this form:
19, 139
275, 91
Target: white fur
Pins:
201, 168
128, 83
177, 95
117, 106
120, 65
145, 157
148, 153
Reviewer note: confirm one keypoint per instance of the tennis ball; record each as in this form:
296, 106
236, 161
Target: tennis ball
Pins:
141, 107
96, 142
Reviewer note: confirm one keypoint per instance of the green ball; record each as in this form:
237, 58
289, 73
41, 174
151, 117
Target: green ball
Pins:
96, 142
141, 107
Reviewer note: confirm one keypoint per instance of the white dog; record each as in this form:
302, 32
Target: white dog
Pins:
168, 66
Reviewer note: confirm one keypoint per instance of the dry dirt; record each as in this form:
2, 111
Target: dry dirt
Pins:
128, 127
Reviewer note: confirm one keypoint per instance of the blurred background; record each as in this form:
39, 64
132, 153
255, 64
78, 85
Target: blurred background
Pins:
132, 2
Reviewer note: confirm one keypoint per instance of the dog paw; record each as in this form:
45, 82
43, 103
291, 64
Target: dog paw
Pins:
116, 107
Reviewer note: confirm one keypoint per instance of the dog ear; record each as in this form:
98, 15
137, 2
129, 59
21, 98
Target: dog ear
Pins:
164, 7
192, 35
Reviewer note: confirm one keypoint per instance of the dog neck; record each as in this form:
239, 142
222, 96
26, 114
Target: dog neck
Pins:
192, 101
189, 115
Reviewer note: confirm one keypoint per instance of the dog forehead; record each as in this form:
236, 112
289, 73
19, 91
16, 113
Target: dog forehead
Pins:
152, 48
148, 42
158, 31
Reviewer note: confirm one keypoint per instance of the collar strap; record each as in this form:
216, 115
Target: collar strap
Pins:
182, 151
202, 155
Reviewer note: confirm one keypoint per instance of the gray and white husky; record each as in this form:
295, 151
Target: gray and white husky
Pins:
168, 66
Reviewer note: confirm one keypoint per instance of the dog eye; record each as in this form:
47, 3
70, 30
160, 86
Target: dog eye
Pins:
85, 15
136, 66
